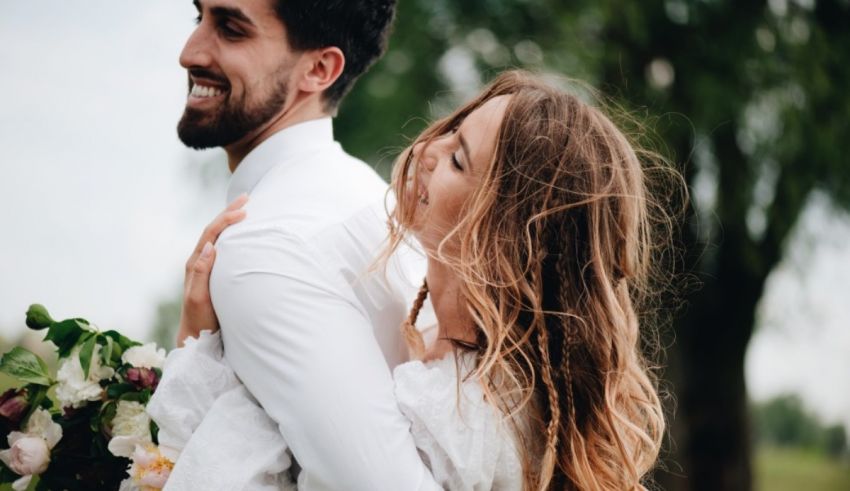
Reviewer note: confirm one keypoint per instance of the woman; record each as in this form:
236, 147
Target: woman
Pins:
540, 230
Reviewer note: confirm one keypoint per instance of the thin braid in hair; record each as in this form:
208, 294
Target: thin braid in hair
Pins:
550, 455
568, 341
412, 336
566, 348
569, 427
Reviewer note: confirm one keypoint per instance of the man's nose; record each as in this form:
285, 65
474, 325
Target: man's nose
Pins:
197, 51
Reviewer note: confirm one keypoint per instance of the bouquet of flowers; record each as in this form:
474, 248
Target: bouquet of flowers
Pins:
84, 427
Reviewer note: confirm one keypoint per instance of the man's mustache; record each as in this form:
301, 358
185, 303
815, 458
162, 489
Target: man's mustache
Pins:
208, 75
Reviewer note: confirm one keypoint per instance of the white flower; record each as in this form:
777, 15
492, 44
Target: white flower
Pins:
27, 455
41, 424
146, 356
149, 471
130, 427
29, 451
73, 388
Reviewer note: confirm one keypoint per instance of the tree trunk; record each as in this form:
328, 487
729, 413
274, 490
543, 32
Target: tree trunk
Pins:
710, 429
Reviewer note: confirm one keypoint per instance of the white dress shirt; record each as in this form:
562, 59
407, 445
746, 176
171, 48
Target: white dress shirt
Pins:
311, 333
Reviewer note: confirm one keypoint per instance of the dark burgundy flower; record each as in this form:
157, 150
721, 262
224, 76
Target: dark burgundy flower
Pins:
142, 378
13, 405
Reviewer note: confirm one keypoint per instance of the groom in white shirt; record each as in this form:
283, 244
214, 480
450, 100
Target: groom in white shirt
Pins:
310, 333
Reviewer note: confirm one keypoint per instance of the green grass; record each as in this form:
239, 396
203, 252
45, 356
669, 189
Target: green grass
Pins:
786, 469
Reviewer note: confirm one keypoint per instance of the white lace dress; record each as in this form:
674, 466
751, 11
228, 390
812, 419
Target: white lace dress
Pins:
223, 440
461, 437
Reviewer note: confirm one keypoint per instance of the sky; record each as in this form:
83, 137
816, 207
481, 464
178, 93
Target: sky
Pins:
101, 203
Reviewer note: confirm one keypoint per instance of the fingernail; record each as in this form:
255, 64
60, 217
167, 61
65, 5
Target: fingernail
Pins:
207, 250
241, 197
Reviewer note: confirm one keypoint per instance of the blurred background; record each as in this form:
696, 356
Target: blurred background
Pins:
102, 204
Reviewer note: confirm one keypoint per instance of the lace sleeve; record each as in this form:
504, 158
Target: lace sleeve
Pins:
219, 436
461, 437
193, 377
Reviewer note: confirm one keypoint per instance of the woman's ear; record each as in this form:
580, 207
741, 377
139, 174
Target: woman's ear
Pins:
324, 66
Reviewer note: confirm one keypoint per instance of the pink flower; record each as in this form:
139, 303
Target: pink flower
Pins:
13, 405
142, 378
28, 455
29, 452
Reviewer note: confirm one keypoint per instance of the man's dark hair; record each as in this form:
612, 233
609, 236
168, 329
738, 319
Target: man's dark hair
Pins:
358, 27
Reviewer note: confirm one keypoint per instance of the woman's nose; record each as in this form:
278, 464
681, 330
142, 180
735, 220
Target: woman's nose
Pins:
425, 155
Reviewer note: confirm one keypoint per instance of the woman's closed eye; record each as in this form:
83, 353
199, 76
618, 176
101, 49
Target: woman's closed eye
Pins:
453, 132
456, 162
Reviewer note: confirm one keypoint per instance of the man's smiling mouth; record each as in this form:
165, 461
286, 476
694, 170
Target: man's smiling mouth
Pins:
205, 91
206, 85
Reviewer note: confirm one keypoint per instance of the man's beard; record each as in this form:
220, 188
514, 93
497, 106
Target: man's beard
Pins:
232, 120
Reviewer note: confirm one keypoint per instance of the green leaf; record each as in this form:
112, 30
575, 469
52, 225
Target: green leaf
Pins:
25, 366
146, 395
84, 325
64, 335
38, 318
135, 396
39, 483
106, 354
123, 341
38, 395
115, 391
86, 353
107, 414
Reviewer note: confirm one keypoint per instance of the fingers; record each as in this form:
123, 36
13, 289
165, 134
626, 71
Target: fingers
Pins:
197, 313
217, 226
205, 260
198, 290
238, 203
232, 214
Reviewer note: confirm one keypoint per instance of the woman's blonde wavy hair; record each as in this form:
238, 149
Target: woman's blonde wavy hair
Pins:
559, 254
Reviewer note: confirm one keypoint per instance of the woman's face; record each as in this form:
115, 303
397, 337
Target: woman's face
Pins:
450, 167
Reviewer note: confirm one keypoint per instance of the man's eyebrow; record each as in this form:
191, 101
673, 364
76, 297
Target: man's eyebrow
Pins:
233, 13
465, 146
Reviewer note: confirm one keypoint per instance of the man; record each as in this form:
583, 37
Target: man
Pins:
307, 329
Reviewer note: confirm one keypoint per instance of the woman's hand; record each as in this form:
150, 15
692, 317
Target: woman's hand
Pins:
197, 313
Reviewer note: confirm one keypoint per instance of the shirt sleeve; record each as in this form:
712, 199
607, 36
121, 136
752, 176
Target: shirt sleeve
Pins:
305, 350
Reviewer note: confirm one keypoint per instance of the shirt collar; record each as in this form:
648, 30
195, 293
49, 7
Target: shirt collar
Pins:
278, 149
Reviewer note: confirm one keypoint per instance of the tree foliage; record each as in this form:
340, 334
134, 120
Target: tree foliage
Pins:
783, 421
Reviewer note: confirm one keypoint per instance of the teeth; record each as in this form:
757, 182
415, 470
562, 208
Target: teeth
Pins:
204, 91
423, 197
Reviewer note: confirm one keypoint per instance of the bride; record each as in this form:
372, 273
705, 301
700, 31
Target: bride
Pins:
541, 231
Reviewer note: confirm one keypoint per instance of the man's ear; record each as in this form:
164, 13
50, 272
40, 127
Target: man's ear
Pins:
324, 66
